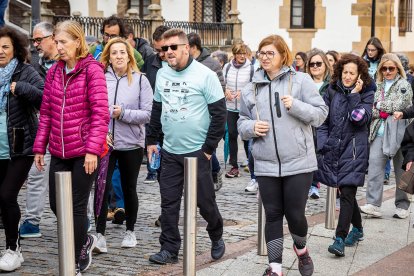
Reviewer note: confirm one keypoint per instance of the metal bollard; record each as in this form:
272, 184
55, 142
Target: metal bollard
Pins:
330, 208
65, 223
190, 214
261, 241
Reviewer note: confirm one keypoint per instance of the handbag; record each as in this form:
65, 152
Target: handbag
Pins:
407, 181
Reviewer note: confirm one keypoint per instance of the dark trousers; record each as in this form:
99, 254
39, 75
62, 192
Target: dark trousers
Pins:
171, 189
13, 173
284, 196
129, 162
349, 212
81, 188
232, 118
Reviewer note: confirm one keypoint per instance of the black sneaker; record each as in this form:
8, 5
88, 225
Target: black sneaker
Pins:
164, 257
85, 258
305, 263
217, 249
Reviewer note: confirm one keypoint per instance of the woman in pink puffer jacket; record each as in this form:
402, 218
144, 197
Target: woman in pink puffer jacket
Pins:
74, 118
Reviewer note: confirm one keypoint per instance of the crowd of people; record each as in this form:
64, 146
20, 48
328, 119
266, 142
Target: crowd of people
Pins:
97, 109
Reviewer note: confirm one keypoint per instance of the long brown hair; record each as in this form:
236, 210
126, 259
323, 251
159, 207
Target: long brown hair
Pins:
132, 64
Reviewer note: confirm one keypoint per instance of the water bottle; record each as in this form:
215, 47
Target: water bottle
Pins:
155, 159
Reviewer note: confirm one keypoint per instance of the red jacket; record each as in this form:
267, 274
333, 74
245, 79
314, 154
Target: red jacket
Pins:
74, 114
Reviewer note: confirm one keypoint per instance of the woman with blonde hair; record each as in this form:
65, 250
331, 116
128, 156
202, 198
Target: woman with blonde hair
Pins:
279, 98
393, 94
130, 99
74, 118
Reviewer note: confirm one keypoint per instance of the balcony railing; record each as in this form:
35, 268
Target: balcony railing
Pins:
212, 34
93, 25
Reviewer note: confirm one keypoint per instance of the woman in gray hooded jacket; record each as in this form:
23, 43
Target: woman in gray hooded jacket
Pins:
278, 110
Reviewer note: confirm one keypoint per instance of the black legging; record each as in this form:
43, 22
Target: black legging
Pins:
129, 162
232, 118
349, 212
284, 196
81, 188
13, 173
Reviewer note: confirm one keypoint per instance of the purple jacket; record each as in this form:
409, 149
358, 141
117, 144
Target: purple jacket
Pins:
136, 101
74, 115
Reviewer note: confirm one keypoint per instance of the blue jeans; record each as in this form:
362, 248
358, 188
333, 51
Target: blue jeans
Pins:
3, 7
117, 196
388, 167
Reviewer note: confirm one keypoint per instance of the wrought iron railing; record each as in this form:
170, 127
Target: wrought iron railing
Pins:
212, 34
93, 25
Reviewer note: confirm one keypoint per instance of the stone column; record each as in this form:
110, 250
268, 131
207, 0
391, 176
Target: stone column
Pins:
237, 26
45, 13
155, 17
132, 14
122, 7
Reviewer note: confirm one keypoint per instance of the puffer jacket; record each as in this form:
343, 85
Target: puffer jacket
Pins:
343, 140
236, 79
74, 116
288, 148
136, 100
22, 108
398, 97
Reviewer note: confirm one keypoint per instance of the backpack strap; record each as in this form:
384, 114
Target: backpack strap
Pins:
226, 71
98, 52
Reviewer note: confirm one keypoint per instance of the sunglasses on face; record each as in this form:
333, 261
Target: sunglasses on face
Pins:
173, 47
388, 68
312, 64
38, 40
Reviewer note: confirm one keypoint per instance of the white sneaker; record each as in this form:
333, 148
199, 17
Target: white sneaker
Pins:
401, 213
100, 246
130, 240
372, 210
251, 187
11, 260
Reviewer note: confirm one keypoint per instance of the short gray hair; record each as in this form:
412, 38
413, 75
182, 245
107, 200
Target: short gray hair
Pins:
221, 56
46, 27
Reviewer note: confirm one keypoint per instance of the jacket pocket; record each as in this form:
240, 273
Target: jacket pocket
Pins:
83, 130
301, 141
18, 139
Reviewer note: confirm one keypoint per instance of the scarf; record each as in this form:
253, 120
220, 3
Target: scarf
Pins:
346, 90
5, 77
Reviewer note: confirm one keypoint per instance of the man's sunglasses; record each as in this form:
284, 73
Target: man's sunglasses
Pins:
173, 47
38, 40
388, 68
312, 64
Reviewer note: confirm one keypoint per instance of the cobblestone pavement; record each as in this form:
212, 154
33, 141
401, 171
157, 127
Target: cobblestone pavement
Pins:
239, 211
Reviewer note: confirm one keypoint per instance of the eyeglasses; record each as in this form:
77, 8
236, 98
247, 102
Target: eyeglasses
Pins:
110, 36
173, 47
268, 54
38, 40
318, 64
388, 68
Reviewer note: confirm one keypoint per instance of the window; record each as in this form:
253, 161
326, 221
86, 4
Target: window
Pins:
302, 14
141, 6
405, 16
211, 10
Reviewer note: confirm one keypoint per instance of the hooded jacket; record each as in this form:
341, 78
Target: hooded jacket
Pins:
143, 47
288, 148
343, 140
136, 100
74, 115
22, 107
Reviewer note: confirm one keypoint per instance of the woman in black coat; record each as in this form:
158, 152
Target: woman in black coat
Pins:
343, 143
20, 97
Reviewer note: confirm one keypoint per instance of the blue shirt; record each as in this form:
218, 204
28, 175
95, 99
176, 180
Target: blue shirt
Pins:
4, 138
184, 96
